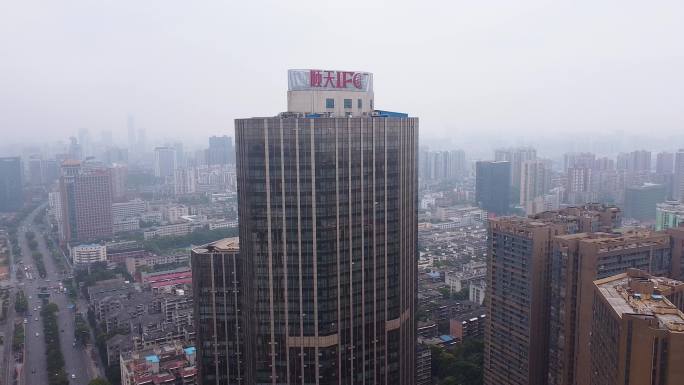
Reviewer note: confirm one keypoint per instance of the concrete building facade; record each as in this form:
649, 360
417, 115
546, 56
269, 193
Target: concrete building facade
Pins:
637, 333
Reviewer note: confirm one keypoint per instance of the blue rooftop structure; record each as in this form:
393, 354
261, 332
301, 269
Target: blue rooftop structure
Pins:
189, 350
153, 358
446, 338
390, 114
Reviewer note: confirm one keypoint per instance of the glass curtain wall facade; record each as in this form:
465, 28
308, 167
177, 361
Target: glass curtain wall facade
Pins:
217, 301
328, 229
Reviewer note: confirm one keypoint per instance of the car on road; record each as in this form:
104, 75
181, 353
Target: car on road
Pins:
73, 376
37, 334
36, 319
25, 320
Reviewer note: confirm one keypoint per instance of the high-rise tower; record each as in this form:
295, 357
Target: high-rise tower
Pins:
327, 198
11, 198
492, 189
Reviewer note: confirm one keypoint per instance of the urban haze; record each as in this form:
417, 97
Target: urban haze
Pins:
361, 192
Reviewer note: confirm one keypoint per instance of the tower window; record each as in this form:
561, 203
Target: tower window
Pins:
347, 103
359, 103
329, 103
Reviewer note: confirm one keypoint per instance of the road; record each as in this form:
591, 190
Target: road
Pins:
76, 361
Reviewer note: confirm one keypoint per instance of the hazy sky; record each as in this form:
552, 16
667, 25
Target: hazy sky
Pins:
186, 69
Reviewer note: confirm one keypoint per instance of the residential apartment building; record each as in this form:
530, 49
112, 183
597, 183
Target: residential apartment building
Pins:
579, 259
637, 332
517, 289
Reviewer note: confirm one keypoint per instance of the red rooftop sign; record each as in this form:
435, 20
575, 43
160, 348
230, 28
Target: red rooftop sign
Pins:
329, 80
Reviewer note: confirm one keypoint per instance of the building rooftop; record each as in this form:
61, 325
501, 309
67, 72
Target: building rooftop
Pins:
635, 292
225, 244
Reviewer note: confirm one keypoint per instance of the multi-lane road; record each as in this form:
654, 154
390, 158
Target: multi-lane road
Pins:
77, 364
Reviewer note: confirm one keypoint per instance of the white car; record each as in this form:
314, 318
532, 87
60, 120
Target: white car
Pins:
73, 376
37, 334
25, 320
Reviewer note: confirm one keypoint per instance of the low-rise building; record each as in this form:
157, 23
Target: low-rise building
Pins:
134, 263
173, 230
160, 280
126, 225
87, 254
166, 364
468, 325
126, 210
669, 214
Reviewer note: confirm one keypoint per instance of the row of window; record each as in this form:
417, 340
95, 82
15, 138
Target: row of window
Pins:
330, 103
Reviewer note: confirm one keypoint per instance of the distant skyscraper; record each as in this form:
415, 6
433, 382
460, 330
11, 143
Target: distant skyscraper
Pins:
678, 182
217, 289
221, 150
119, 175
85, 142
516, 156
11, 196
641, 201
141, 142
86, 201
164, 162
328, 225
492, 186
665, 163
75, 149
35, 168
180, 155
131, 133
635, 161
533, 182
580, 186
578, 160
106, 137
436, 165
636, 331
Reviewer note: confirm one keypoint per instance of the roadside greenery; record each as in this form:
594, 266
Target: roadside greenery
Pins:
81, 330
20, 302
31, 240
39, 262
55, 359
18, 338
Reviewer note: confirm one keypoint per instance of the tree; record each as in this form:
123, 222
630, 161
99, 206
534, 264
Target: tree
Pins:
21, 303
98, 381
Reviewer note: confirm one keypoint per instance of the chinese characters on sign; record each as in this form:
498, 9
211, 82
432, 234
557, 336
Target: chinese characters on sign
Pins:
302, 80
